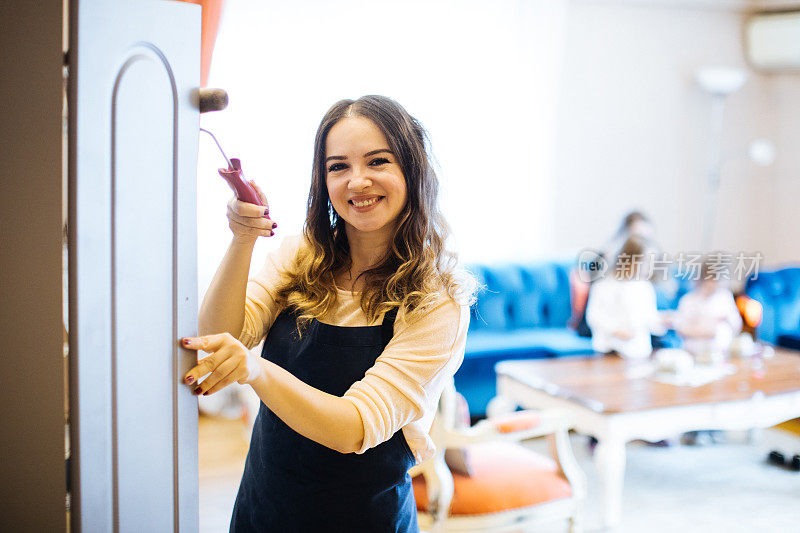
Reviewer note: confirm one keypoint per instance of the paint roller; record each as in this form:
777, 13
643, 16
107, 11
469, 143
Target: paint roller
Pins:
217, 100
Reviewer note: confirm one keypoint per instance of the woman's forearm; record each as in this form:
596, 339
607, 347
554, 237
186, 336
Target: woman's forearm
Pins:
222, 309
329, 420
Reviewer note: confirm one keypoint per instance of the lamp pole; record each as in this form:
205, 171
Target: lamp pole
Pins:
715, 168
719, 82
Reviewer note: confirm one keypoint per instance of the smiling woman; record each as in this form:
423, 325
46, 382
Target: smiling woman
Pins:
393, 249
364, 320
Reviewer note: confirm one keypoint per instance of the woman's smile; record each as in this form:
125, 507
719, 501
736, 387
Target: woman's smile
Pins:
362, 204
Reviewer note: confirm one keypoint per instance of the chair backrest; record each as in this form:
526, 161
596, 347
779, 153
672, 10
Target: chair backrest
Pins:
446, 416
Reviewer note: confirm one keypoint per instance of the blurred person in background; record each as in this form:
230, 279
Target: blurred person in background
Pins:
634, 224
707, 318
621, 311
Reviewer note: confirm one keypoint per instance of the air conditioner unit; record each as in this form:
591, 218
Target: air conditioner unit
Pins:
772, 41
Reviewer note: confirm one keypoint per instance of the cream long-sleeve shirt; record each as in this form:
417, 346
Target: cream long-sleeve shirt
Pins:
402, 389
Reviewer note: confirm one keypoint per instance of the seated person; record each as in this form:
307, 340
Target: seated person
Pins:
634, 224
621, 311
707, 318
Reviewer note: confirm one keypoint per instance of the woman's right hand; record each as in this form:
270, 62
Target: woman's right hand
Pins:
248, 221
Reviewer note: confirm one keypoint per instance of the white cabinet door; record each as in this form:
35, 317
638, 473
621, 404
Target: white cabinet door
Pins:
134, 71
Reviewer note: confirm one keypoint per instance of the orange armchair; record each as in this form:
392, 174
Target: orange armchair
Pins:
509, 486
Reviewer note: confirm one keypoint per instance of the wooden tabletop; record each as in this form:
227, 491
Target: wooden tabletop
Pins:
609, 384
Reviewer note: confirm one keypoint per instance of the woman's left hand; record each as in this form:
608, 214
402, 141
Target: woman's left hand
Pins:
228, 361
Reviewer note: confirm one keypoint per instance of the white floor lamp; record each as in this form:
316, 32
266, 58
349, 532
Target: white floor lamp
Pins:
721, 82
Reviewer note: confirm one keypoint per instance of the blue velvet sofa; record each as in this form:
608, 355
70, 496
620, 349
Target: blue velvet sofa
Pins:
523, 314
778, 290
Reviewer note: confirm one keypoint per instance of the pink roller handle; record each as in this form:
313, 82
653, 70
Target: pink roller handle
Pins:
235, 178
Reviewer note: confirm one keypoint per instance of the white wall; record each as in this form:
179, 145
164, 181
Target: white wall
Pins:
549, 118
782, 245
634, 128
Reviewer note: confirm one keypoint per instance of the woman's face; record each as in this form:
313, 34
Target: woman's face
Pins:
365, 183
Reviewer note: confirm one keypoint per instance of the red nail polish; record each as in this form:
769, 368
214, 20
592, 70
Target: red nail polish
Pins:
189, 380
274, 225
197, 390
266, 211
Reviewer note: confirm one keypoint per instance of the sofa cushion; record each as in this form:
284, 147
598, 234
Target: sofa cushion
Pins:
500, 344
779, 293
550, 281
559, 308
507, 301
490, 312
504, 278
526, 311
540, 279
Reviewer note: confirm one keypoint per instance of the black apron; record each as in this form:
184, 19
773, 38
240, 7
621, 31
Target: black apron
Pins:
293, 484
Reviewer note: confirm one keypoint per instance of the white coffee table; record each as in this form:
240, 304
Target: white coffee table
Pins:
611, 399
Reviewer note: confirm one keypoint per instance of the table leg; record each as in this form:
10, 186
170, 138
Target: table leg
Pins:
610, 461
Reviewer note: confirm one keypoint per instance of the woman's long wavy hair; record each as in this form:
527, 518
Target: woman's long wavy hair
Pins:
417, 267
